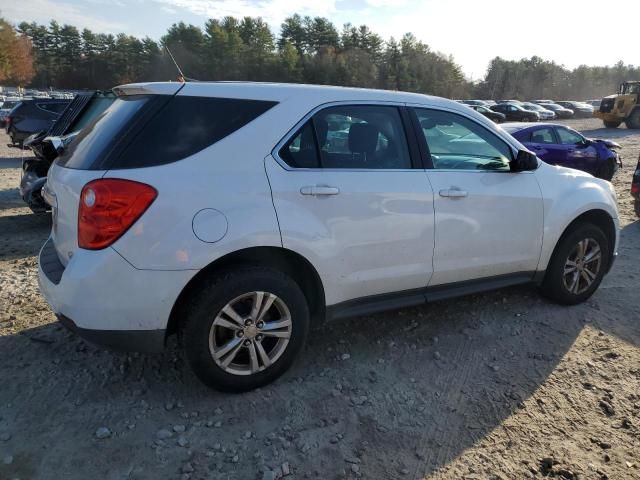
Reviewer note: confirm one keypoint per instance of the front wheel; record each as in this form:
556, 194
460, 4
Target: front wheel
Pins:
633, 121
611, 124
606, 170
577, 266
244, 328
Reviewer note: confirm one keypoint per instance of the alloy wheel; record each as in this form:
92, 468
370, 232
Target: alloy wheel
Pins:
250, 333
582, 266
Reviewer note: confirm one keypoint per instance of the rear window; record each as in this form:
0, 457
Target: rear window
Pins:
94, 142
144, 131
95, 107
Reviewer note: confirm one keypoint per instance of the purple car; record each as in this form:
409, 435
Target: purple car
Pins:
560, 145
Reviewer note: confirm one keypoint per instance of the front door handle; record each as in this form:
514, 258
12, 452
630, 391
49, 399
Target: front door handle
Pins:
453, 193
319, 190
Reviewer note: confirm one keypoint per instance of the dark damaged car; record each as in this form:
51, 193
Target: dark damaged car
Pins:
560, 145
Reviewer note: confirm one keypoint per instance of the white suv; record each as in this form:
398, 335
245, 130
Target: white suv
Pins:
238, 214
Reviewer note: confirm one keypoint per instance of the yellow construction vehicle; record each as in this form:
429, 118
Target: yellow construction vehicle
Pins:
621, 107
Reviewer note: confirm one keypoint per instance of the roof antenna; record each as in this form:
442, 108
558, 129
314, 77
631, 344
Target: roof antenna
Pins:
181, 76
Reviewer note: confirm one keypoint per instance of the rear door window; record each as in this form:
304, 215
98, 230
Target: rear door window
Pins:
362, 137
301, 150
543, 135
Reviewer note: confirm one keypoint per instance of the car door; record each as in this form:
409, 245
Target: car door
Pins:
353, 199
544, 142
489, 220
514, 112
578, 152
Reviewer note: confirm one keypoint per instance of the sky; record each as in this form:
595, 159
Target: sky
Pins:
570, 32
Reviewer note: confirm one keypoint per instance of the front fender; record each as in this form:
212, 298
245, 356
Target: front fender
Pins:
567, 195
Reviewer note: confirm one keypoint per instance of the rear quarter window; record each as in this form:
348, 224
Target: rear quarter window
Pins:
185, 126
143, 131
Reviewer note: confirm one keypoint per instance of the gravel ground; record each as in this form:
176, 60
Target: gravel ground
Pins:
497, 386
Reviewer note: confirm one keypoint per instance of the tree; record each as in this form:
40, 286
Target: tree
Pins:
16, 61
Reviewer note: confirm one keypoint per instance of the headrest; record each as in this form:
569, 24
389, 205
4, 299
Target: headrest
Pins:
363, 138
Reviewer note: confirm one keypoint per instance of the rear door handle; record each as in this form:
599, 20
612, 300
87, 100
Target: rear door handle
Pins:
319, 190
453, 193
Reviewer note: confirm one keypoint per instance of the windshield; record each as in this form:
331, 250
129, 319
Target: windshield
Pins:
631, 88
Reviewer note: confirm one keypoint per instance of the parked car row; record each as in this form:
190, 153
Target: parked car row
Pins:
516, 110
39, 94
5, 107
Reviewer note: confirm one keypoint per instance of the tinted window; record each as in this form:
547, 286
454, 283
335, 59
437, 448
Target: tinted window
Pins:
94, 142
142, 131
187, 125
543, 135
456, 142
361, 137
95, 107
567, 137
56, 108
301, 150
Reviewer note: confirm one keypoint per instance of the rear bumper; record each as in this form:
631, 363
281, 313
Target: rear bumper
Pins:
148, 341
107, 301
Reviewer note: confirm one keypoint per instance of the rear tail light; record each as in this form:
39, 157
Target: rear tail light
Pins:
108, 207
635, 188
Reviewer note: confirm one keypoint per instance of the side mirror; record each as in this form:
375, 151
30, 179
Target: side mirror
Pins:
525, 161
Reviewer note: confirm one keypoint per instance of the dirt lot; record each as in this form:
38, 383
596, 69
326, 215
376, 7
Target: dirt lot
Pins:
497, 386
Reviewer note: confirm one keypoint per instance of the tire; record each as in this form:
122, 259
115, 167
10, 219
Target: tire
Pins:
611, 124
636, 206
557, 285
607, 170
200, 338
633, 120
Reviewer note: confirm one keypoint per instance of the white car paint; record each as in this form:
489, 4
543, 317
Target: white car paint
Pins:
386, 231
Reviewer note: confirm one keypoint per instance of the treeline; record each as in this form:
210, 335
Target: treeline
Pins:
307, 50
535, 78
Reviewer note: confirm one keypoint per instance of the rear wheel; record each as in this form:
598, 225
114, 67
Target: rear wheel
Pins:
633, 120
244, 328
577, 266
611, 124
636, 206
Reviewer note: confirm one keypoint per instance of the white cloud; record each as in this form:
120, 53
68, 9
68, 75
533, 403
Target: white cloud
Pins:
272, 11
43, 11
